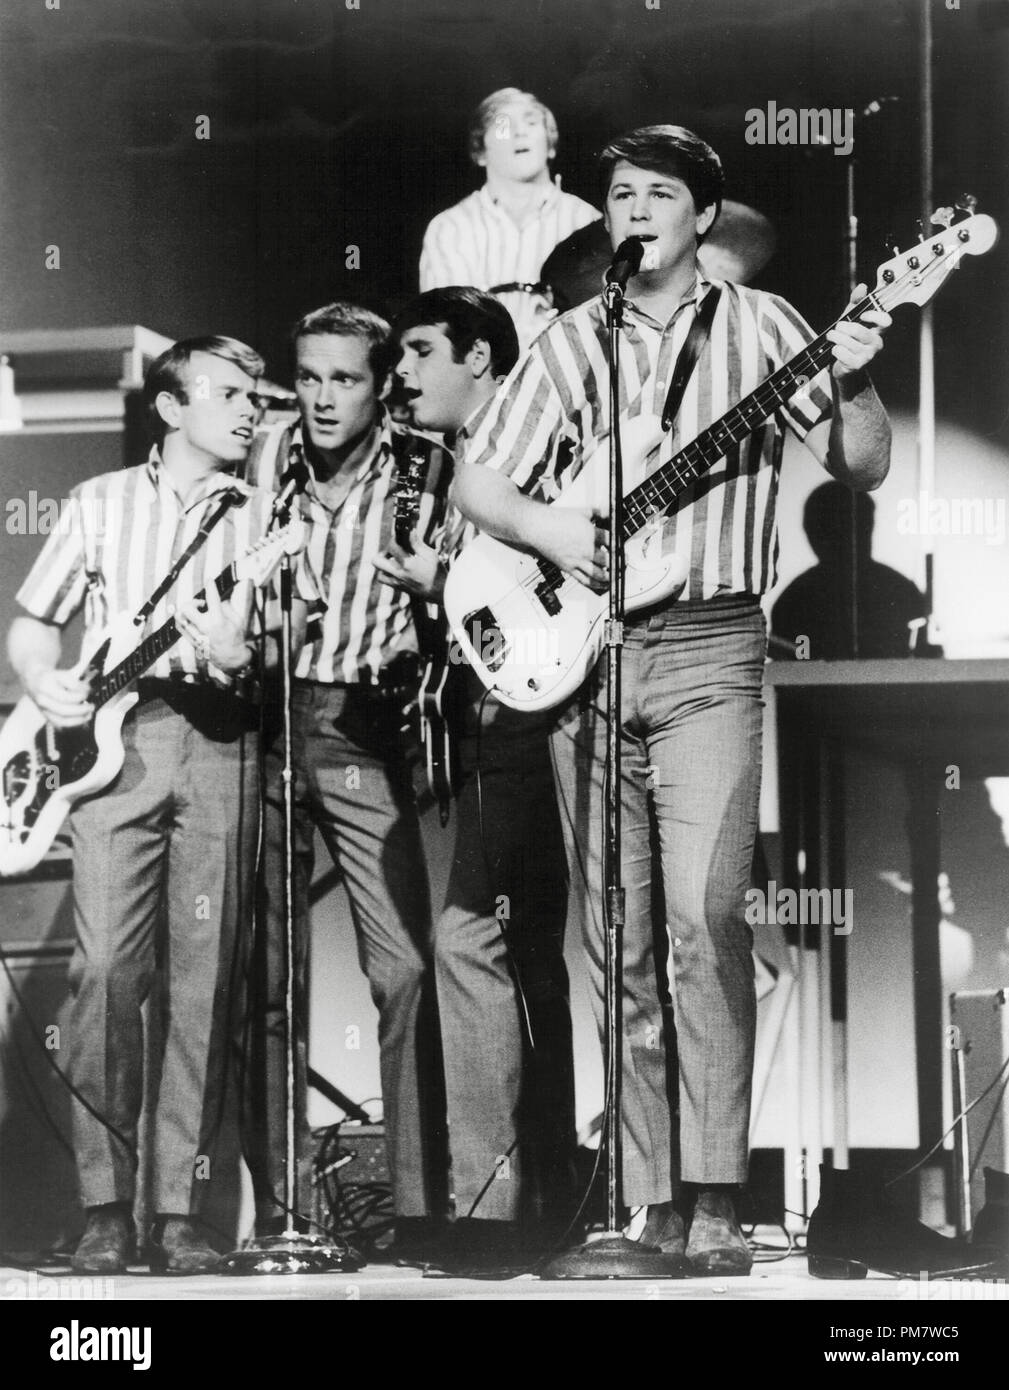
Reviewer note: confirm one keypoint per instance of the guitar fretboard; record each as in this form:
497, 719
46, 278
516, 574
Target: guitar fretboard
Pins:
153, 646
658, 492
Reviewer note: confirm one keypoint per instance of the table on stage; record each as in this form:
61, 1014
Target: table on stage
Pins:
939, 720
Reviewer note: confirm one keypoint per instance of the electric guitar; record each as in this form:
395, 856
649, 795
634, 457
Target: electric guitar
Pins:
45, 770
432, 637
531, 632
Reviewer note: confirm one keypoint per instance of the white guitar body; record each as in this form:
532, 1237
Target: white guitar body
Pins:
532, 634
533, 646
45, 770
33, 754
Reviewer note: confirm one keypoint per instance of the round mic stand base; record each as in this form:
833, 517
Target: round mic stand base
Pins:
613, 1256
292, 1253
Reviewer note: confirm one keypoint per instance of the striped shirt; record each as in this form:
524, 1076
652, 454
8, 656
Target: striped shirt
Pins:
475, 242
554, 410
367, 622
118, 539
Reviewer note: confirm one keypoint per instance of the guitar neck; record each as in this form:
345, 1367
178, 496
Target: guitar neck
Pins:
658, 492
153, 646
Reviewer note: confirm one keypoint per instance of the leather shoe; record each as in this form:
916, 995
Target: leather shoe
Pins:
416, 1241
664, 1229
716, 1244
855, 1227
180, 1247
991, 1229
107, 1243
475, 1249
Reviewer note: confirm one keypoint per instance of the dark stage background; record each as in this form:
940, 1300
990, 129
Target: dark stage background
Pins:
332, 127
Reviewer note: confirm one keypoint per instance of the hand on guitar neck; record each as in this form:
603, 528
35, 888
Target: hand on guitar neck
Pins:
419, 571
216, 631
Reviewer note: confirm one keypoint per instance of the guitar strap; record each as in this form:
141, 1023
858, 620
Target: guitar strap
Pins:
229, 498
689, 353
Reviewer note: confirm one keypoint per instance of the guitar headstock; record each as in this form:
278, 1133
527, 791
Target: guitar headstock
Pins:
914, 276
409, 486
261, 560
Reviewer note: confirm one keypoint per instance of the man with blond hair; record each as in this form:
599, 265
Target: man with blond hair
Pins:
497, 238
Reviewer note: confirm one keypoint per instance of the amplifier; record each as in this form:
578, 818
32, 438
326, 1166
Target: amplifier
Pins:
351, 1181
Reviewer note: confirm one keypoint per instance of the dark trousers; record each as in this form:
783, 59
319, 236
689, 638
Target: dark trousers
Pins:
502, 982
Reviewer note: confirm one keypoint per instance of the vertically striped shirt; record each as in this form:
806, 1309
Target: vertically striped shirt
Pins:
555, 408
475, 242
118, 539
366, 622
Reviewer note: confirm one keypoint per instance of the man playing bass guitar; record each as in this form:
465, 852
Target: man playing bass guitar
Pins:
691, 716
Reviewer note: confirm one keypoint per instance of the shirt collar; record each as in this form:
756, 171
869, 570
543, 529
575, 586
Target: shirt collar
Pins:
694, 297
372, 463
469, 426
550, 196
213, 483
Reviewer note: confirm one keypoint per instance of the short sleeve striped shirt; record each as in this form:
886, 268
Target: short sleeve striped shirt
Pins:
366, 622
120, 536
555, 409
475, 242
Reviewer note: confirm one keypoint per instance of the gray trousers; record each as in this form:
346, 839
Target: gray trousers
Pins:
509, 1084
170, 844
690, 788
353, 781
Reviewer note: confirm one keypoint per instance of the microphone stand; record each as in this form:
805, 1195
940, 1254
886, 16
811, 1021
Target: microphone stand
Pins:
611, 1255
291, 1252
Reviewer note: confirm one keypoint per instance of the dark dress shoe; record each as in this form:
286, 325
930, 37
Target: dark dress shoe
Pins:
107, 1245
178, 1246
716, 1244
991, 1229
664, 1229
416, 1241
855, 1228
475, 1249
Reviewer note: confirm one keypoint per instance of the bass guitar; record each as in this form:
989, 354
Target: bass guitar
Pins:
531, 632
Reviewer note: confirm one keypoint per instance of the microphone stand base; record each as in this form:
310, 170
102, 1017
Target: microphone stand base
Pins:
613, 1256
292, 1253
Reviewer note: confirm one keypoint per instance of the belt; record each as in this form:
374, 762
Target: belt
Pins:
516, 286
393, 680
176, 688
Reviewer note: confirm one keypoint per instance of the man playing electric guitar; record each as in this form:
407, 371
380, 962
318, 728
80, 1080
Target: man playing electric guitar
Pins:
177, 827
691, 716
456, 347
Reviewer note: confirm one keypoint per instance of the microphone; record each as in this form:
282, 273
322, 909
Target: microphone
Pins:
294, 480
626, 261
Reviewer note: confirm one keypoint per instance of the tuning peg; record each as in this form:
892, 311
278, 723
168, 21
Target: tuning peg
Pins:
890, 243
966, 202
943, 217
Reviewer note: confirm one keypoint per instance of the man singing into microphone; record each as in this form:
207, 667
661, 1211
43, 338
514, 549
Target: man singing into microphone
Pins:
355, 673
691, 713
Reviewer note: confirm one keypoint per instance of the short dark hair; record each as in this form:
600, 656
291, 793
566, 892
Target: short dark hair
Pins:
168, 372
345, 320
484, 116
467, 314
674, 151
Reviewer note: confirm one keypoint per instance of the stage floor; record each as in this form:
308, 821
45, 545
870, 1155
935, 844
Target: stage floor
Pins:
771, 1281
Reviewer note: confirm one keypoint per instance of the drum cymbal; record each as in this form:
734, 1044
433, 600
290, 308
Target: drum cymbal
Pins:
740, 245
